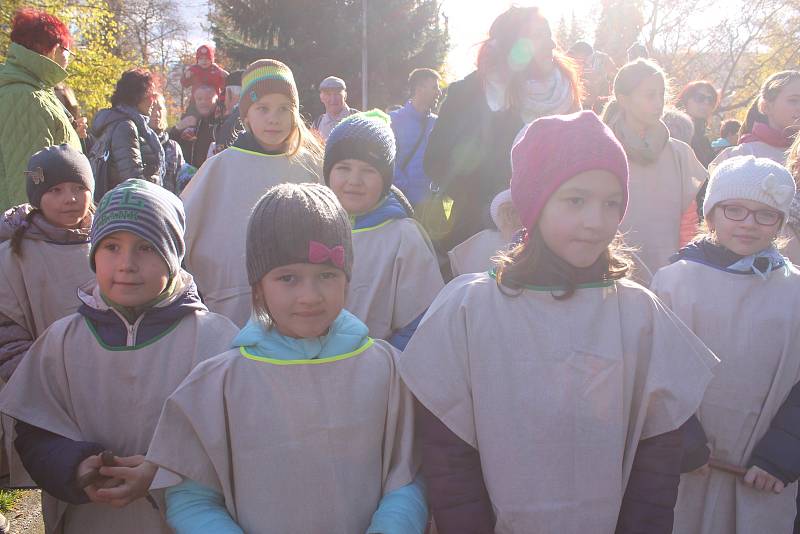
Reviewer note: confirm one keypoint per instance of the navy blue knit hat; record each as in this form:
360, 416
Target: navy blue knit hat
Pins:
55, 165
147, 210
365, 136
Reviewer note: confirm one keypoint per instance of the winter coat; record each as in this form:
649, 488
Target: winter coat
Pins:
409, 176
173, 161
32, 117
132, 156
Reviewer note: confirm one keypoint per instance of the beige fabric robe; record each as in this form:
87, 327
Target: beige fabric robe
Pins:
71, 384
395, 276
36, 290
218, 203
475, 254
306, 446
659, 195
756, 148
753, 326
555, 395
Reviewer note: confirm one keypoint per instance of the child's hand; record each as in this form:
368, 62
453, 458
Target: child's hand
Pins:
85, 468
136, 475
759, 479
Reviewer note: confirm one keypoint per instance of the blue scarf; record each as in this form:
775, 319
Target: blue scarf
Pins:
142, 126
346, 334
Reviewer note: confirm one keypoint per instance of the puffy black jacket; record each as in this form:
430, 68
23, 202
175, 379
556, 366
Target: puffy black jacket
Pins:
131, 155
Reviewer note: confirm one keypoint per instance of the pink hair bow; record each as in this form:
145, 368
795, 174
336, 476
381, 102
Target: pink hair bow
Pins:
319, 253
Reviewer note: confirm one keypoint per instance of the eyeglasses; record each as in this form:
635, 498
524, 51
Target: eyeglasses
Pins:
704, 99
736, 213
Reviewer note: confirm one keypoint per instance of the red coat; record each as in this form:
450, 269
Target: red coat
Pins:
214, 76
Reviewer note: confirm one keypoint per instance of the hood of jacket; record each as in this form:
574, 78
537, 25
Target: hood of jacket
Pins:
29, 67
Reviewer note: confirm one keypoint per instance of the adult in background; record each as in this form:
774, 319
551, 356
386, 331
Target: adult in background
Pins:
135, 150
597, 70
520, 77
32, 116
699, 99
173, 155
195, 132
232, 124
412, 125
333, 94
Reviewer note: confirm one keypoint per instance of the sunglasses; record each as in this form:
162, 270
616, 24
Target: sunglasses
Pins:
736, 213
704, 99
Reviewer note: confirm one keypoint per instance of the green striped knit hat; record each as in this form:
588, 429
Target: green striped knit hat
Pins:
264, 77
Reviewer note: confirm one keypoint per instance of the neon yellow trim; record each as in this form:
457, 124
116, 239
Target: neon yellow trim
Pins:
605, 283
317, 361
253, 152
370, 228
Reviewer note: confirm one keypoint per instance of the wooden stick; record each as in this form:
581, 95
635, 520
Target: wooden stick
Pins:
728, 468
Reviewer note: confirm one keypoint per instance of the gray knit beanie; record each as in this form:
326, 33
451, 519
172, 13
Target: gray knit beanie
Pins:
298, 223
750, 178
147, 210
55, 165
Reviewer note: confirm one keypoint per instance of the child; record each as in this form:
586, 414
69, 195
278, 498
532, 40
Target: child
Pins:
550, 390
665, 174
474, 255
277, 147
205, 72
728, 135
304, 426
43, 262
96, 380
396, 275
740, 296
772, 120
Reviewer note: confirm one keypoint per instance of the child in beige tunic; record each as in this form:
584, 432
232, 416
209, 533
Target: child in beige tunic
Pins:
742, 298
396, 275
96, 380
547, 386
43, 261
304, 426
221, 196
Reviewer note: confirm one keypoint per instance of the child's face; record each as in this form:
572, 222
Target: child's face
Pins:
358, 185
303, 299
645, 105
270, 120
784, 112
129, 269
581, 218
204, 62
66, 204
747, 236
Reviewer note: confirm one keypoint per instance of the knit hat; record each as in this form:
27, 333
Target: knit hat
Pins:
333, 83
750, 178
55, 165
264, 77
147, 210
298, 223
204, 51
503, 197
366, 136
554, 150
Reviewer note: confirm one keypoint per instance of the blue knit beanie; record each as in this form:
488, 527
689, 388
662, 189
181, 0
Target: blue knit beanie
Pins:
147, 210
365, 136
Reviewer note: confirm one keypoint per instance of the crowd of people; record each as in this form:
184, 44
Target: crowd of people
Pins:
559, 305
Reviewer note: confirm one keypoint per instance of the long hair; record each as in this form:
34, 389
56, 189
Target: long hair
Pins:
793, 159
629, 77
769, 91
518, 267
505, 36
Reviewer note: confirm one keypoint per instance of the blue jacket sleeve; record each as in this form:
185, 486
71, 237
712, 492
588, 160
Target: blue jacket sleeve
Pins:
400, 338
193, 508
402, 511
778, 451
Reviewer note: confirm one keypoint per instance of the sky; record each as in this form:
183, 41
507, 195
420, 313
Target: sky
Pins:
469, 23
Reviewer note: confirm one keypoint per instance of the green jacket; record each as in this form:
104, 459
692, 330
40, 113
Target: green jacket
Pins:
31, 117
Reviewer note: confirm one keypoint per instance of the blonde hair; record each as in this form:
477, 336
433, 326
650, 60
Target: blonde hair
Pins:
629, 77
793, 159
162, 122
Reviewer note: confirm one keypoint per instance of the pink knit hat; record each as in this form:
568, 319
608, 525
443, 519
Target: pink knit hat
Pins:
555, 149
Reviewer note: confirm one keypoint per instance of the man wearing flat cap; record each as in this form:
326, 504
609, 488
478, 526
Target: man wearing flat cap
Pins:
333, 94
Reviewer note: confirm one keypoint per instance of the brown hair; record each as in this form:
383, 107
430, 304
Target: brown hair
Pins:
518, 267
629, 77
19, 232
691, 88
769, 91
504, 34
793, 159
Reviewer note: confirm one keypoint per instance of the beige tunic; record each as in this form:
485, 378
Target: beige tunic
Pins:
659, 195
71, 384
753, 326
36, 290
475, 254
755, 148
305, 446
395, 276
555, 395
218, 203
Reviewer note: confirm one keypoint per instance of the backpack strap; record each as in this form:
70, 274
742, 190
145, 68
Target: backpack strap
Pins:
414, 150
